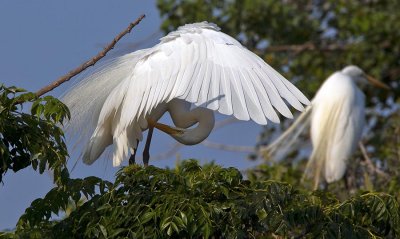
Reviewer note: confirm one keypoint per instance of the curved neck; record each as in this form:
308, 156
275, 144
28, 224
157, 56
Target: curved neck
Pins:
181, 114
184, 118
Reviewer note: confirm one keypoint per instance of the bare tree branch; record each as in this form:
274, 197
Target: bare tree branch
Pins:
90, 62
145, 40
227, 147
370, 164
171, 152
308, 46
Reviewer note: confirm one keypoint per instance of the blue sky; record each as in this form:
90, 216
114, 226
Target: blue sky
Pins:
43, 40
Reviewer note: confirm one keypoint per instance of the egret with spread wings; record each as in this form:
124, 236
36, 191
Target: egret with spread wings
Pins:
197, 64
337, 118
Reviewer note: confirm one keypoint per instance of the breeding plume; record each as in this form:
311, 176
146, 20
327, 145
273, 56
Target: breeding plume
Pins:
191, 73
337, 117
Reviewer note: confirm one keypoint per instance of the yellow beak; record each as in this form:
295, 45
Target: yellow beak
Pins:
166, 128
377, 83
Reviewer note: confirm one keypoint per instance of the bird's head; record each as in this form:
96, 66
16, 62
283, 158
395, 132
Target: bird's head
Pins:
183, 136
173, 131
194, 126
361, 78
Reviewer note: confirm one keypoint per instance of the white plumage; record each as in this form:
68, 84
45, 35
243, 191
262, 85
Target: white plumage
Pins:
337, 118
337, 121
196, 64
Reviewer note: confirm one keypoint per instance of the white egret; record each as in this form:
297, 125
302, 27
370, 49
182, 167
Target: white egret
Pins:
337, 117
197, 64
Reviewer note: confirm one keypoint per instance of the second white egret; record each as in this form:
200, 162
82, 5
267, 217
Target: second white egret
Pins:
337, 118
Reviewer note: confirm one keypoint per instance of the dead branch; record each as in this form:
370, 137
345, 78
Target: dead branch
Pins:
227, 147
370, 164
308, 46
90, 62
171, 152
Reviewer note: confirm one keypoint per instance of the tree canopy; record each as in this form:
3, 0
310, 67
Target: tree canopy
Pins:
193, 201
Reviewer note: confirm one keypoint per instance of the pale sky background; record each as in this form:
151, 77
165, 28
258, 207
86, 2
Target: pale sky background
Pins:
43, 40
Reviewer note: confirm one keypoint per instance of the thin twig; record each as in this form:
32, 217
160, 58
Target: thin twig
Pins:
308, 46
171, 152
369, 163
227, 147
90, 62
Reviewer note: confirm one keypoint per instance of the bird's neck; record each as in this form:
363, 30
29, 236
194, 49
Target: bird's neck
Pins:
184, 118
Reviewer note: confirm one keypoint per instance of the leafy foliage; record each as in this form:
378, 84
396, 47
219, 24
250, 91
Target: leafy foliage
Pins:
31, 139
193, 201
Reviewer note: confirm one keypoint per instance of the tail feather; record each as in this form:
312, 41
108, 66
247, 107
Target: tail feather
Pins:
86, 99
282, 145
100, 139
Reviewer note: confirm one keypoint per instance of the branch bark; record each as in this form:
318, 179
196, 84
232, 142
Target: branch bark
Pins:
90, 62
308, 46
371, 166
227, 147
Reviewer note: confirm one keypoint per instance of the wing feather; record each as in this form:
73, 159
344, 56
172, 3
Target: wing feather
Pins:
273, 94
213, 94
252, 100
190, 63
283, 89
226, 97
198, 81
192, 80
238, 98
265, 103
205, 78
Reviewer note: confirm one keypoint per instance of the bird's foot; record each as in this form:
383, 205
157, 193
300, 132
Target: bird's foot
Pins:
132, 159
146, 158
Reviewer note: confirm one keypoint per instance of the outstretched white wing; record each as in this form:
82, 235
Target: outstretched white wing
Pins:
204, 66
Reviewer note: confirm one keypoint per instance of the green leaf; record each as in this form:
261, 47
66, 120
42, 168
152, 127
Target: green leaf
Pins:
103, 230
184, 218
147, 217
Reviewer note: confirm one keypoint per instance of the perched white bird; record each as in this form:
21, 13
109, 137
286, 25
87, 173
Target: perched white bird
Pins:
337, 118
197, 64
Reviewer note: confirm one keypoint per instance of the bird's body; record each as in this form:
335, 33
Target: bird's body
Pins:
336, 118
197, 64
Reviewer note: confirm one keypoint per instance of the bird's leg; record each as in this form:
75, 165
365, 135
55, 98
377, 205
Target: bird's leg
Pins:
347, 180
132, 158
146, 151
325, 186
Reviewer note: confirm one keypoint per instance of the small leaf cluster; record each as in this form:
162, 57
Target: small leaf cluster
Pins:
37, 222
193, 201
33, 139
